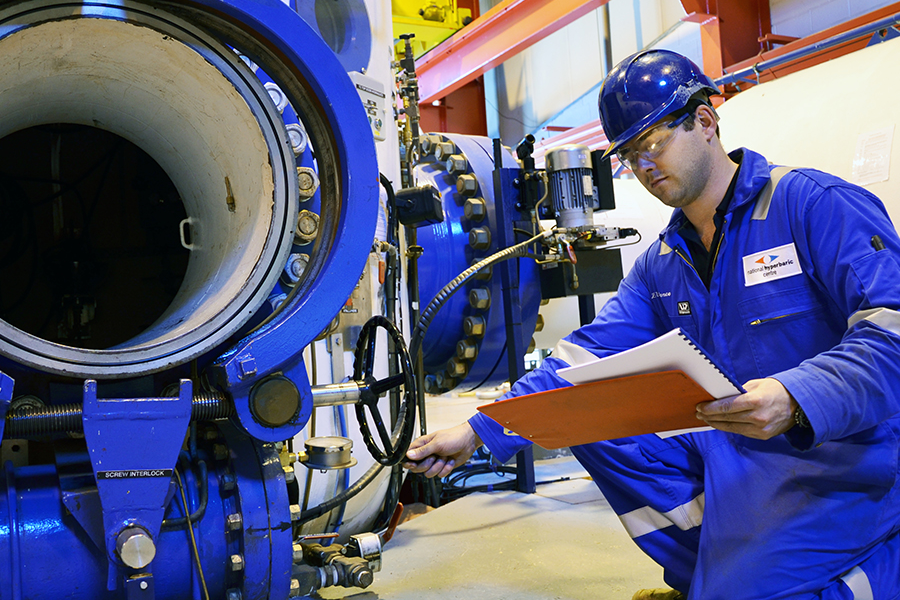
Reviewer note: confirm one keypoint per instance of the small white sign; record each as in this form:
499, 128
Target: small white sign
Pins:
872, 161
771, 265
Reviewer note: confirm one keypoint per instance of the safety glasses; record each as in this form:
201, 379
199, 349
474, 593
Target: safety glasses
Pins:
650, 145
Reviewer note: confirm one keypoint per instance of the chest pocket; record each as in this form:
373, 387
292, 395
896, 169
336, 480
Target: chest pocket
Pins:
792, 318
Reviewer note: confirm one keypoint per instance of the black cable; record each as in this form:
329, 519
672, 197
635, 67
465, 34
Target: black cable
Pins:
317, 511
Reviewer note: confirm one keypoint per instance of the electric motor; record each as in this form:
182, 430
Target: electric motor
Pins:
570, 186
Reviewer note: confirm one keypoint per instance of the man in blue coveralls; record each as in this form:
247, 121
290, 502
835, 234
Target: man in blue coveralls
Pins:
796, 485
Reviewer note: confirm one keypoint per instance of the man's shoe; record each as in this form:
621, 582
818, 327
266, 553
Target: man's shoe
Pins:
658, 594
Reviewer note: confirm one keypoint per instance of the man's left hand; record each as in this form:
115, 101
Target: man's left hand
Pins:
766, 410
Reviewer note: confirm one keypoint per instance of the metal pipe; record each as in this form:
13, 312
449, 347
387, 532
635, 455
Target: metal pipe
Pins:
336, 394
847, 36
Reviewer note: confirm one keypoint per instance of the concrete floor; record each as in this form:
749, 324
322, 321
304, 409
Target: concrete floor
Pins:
564, 542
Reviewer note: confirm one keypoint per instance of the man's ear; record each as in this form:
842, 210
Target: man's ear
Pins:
706, 118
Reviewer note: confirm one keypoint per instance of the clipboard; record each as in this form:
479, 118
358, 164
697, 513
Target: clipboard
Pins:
602, 410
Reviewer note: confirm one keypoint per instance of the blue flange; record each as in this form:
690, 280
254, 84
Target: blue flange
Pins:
461, 168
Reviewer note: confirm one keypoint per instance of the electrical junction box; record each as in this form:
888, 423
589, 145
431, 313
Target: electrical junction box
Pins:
371, 92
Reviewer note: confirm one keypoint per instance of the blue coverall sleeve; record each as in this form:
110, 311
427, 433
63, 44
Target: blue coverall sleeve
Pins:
625, 321
854, 386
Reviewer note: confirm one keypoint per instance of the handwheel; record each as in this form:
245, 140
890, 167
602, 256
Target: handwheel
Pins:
393, 446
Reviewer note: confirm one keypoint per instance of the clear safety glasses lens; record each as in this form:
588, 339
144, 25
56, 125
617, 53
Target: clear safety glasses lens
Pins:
651, 144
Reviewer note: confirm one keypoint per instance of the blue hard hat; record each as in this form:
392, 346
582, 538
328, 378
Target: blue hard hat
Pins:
644, 88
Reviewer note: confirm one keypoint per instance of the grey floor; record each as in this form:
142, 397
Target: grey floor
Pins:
564, 542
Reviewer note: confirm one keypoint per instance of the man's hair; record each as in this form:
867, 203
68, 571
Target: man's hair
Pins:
698, 99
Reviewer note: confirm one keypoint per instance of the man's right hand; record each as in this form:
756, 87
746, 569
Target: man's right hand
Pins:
438, 453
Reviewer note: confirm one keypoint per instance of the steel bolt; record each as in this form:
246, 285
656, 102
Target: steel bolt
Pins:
485, 272
220, 452
445, 382
480, 238
456, 163
237, 562
539, 325
135, 547
531, 346
443, 150
428, 143
229, 481
466, 350
234, 594
307, 181
475, 209
296, 512
298, 553
234, 521
431, 386
295, 589
289, 475
474, 326
456, 368
467, 185
480, 298
307, 227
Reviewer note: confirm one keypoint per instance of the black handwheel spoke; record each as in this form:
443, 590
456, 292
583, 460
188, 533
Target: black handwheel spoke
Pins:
396, 444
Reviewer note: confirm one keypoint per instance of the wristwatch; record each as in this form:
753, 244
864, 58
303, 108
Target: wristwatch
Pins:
800, 418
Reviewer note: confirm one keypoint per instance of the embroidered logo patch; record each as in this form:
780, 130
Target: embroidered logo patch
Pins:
769, 265
684, 308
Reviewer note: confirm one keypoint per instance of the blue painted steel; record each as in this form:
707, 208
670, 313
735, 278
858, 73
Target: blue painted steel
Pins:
6, 391
309, 310
447, 253
133, 446
343, 25
46, 554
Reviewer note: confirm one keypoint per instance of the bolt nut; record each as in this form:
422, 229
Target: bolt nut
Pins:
475, 209
480, 238
296, 512
234, 594
467, 185
298, 553
237, 562
531, 347
474, 326
443, 150
456, 368
307, 227
289, 475
220, 451
466, 350
234, 521
229, 482
456, 164
428, 143
480, 298
431, 386
485, 272
445, 382
307, 182
539, 325
295, 589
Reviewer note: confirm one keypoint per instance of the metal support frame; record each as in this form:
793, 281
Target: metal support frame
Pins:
502, 32
505, 199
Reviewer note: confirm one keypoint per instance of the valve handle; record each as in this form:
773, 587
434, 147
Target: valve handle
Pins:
396, 444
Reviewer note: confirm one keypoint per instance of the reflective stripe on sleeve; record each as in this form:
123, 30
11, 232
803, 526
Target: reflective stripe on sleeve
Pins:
764, 200
646, 520
858, 582
885, 318
571, 353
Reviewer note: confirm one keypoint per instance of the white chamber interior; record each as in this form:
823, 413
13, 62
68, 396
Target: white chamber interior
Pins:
166, 98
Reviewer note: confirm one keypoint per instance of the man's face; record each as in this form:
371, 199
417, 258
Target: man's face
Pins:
671, 162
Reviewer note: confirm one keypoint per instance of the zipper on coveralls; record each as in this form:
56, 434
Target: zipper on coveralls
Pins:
715, 255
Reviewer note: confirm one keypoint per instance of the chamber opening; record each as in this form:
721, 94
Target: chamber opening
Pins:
90, 248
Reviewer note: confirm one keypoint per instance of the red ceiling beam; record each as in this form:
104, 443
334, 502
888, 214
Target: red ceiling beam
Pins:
730, 31
500, 33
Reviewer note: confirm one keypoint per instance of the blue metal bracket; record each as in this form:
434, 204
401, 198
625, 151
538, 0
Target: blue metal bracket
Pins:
133, 446
6, 392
